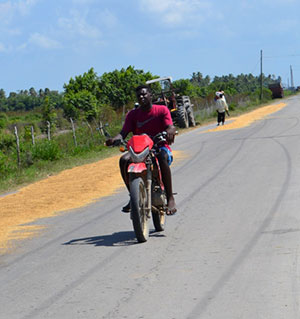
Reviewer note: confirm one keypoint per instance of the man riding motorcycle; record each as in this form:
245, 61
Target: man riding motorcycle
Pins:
150, 119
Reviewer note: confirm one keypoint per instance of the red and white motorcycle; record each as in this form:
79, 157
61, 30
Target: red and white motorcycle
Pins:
147, 192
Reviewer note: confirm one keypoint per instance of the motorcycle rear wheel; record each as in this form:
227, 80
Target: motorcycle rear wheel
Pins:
138, 202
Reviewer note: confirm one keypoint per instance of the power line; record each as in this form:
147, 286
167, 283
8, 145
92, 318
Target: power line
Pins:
255, 68
280, 56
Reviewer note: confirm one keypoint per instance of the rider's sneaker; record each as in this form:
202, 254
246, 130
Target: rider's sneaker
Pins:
126, 208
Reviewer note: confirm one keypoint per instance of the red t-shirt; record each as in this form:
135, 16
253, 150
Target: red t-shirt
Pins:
152, 122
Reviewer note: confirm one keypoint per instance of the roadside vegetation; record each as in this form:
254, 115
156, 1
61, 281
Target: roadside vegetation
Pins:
44, 132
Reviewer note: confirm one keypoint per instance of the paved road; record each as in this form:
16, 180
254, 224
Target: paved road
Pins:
231, 252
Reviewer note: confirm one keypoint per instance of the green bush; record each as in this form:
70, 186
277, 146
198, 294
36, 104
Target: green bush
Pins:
107, 114
33, 117
27, 133
267, 95
289, 92
3, 120
5, 165
81, 149
7, 141
46, 150
61, 122
232, 106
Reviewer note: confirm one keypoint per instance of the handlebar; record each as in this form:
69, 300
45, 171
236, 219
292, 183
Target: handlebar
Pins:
160, 137
120, 142
157, 139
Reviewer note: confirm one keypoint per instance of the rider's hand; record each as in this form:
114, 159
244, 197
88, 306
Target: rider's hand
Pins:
114, 141
109, 142
171, 132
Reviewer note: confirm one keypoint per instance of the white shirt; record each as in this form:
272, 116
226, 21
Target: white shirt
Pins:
221, 105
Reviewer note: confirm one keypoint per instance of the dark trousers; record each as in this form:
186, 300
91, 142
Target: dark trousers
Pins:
221, 117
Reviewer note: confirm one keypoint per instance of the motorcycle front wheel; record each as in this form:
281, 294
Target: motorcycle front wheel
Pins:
138, 202
159, 219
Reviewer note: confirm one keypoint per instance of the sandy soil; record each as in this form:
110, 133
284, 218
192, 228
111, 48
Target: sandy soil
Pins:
75, 188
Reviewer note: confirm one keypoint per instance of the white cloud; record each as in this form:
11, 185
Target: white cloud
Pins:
6, 12
288, 25
108, 19
280, 2
9, 9
13, 31
83, 2
272, 3
2, 47
43, 41
24, 6
77, 25
178, 12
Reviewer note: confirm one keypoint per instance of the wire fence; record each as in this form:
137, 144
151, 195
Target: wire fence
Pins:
22, 148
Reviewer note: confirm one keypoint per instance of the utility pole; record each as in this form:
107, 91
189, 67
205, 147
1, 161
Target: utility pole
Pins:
292, 80
261, 75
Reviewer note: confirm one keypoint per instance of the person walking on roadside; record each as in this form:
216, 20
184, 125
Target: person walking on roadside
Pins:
221, 107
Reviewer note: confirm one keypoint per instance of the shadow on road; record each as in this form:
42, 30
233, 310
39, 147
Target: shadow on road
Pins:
116, 239
125, 238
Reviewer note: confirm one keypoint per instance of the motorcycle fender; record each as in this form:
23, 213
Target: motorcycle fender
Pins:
136, 168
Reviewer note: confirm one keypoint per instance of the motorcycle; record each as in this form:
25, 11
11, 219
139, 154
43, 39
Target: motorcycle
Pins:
147, 191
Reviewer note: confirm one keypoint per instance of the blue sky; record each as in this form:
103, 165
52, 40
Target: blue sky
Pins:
45, 43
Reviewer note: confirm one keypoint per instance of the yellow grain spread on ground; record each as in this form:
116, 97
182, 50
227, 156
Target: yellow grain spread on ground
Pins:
72, 188
69, 189
76, 187
248, 118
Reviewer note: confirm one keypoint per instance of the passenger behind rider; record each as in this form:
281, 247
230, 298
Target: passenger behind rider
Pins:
150, 119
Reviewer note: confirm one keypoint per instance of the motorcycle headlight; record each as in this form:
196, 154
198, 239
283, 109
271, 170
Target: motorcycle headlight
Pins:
138, 157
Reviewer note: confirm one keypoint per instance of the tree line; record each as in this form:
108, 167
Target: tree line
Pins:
92, 98
27, 100
29, 118
85, 95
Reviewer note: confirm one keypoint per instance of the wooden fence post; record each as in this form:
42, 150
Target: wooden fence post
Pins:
89, 126
101, 128
48, 131
97, 128
18, 146
32, 135
74, 133
123, 114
